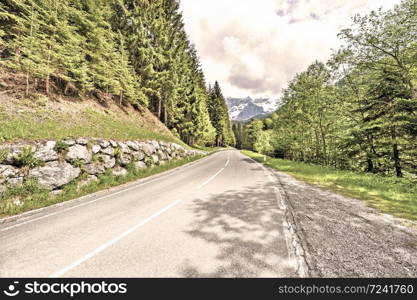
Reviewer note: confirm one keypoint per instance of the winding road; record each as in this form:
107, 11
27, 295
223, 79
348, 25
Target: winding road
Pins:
218, 217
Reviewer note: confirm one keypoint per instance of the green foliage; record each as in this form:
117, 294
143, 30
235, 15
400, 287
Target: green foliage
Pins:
98, 158
252, 134
220, 118
86, 123
61, 147
26, 158
239, 133
118, 152
396, 196
30, 194
135, 52
149, 161
3, 155
78, 163
263, 143
358, 111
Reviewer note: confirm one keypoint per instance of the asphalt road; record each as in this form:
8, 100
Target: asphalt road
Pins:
218, 217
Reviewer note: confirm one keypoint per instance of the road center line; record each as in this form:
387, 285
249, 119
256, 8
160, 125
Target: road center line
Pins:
126, 233
227, 162
210, 179
84, 204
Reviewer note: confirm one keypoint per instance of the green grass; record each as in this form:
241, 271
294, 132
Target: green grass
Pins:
40, 123
32, 196
395, 196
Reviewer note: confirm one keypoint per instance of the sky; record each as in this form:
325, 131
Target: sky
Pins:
255, 47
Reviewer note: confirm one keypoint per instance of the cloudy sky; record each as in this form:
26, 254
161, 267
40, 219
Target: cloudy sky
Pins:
254, 47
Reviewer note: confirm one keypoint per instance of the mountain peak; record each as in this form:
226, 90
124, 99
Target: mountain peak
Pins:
244, 109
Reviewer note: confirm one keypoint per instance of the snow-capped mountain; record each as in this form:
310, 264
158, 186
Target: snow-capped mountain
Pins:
248, 108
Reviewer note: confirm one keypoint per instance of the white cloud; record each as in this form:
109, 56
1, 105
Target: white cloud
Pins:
254, 47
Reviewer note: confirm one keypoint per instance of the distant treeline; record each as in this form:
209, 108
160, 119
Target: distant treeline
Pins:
359, 110
135, 51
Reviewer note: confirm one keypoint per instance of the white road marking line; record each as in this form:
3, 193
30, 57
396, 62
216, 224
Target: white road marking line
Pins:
210, 179
83, 204
112, 241
228, 160
126, 233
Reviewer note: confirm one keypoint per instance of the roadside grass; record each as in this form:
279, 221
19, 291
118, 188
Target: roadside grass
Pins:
30, 196
41, 123
395, 196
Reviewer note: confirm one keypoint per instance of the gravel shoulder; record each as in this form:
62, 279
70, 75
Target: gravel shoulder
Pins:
342, 237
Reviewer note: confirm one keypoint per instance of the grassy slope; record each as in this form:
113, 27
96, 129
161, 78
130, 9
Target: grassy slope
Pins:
37, 118
395, 196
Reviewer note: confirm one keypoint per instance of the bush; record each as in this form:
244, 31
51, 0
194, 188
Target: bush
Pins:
149, 162
3, 155
27, 158
61, 147
118, 152
78, 163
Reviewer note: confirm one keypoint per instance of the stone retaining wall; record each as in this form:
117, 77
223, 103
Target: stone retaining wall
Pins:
55, 164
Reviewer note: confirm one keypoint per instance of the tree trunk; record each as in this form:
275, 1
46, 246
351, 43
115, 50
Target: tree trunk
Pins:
323, 140
48, 76
317, 146
159, 109
370, 165
165, 115
27, 83
397, 160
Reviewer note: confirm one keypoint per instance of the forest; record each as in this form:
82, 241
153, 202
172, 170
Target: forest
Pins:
135, 52
358, 110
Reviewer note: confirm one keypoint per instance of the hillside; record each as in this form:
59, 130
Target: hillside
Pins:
37, 116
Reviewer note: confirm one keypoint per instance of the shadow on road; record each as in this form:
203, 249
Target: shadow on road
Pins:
247, 160
246, 226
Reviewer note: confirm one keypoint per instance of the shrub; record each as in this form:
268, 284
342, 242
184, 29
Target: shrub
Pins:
149, 162
27, 158
78, 163
3, 155
61, 147
118, 152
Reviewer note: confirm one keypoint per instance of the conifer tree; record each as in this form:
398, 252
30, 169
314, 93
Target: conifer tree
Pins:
132, 51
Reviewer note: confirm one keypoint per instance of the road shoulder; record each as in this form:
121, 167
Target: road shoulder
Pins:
342, 237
